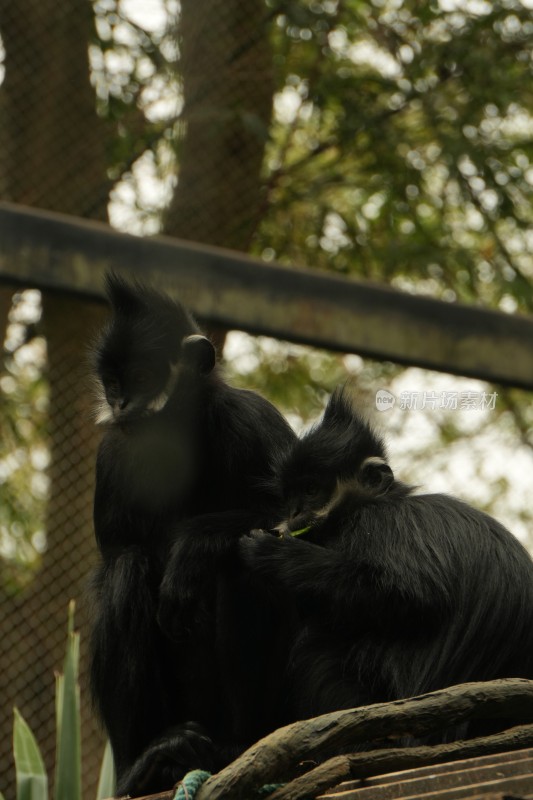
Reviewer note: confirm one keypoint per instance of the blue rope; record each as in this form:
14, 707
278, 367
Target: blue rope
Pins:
268, 788
189, 785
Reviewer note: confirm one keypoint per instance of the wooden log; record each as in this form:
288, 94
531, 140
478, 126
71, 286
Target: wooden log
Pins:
275, 757
378, 762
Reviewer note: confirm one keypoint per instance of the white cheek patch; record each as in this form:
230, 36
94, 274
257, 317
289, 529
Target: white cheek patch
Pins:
344, 487
159, 402
341, 490
102, 412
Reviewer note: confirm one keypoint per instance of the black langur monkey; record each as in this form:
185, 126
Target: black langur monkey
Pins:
181, 447
400, 593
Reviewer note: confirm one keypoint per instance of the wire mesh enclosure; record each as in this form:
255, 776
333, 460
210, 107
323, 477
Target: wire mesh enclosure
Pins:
382, 140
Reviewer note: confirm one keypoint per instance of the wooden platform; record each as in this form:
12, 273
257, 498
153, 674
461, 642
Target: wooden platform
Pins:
505, 776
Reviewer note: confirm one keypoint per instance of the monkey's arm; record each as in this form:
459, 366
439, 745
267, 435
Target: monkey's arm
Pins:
150, 751
123, 661
373, 583
167, 759
198, 549
115, 526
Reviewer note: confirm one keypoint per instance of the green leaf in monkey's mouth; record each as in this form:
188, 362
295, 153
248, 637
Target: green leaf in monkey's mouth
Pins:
301, 531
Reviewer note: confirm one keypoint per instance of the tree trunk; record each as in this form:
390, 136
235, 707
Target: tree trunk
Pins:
6, 298
226, 64
52, 155
52, 143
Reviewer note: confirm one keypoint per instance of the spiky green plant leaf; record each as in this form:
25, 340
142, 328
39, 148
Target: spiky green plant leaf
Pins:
32, 783
68, 751
106, 782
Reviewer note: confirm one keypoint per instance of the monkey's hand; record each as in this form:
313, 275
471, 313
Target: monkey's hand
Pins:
268, 555
165, 761
291, 567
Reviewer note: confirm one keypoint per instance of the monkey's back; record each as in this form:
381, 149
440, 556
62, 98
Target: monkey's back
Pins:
469, 580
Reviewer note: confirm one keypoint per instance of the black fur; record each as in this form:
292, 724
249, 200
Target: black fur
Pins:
399, 593
341, 451
181, 446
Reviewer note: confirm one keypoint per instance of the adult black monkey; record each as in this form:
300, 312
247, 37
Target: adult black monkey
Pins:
181, 447
401, 593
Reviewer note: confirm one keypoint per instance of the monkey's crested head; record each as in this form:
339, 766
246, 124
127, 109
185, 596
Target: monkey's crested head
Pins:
150, 343
341, 453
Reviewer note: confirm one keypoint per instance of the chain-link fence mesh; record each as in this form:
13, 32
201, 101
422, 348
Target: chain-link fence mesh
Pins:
387, 139
89, 95
53, 143
42, 580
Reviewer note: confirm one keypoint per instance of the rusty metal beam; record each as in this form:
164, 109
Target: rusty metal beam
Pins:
53, 251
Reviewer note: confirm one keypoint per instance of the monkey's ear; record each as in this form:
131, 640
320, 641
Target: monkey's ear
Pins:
376, 474
199, 353
123, 297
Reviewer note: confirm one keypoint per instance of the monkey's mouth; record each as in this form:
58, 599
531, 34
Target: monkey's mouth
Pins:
131, 414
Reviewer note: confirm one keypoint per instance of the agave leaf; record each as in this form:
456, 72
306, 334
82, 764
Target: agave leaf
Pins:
106, 782
68, 749
32, 783
60, 693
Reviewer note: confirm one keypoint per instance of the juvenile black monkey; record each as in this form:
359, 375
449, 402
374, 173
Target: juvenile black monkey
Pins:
400, 593
181, 447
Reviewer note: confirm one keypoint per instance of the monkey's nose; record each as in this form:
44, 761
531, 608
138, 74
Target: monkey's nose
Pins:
119, 406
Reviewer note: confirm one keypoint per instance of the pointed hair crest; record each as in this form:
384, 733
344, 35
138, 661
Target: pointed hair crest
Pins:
143, 320
135, 299
339, 442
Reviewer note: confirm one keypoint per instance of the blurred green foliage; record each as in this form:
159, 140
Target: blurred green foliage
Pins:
24, 455
402, 143
400, 150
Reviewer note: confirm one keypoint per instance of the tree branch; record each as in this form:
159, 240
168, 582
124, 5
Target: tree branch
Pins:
276, 757
381, 762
